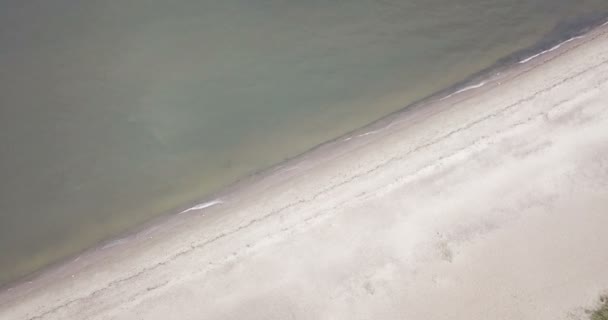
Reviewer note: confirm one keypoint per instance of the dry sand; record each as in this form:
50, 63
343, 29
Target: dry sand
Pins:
490, 204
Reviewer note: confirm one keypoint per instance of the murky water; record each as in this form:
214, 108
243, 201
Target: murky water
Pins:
113, 112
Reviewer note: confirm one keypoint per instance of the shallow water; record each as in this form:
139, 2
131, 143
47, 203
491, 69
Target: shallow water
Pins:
116, 112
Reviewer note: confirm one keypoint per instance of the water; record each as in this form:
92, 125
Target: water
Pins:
113, 112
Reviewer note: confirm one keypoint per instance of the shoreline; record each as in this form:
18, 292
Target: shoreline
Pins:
549, 44
268, 180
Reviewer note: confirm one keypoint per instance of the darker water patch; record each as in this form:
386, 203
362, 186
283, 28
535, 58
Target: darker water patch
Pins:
563, 31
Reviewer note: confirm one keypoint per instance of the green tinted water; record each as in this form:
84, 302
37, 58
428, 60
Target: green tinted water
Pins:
113, 112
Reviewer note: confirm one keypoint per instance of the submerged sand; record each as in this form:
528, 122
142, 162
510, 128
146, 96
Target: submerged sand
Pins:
490, 204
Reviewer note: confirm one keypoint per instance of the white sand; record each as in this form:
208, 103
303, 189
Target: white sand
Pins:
491, 204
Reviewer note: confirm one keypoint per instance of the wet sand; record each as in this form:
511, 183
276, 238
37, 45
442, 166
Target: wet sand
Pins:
489, 204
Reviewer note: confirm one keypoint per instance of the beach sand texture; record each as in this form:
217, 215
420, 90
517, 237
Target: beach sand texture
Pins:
490, 204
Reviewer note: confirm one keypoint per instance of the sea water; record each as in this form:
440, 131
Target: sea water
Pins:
114, 112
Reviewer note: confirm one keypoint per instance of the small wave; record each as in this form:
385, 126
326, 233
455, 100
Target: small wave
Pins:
203, 205
368, 133
475, 86
114, 244
549, 50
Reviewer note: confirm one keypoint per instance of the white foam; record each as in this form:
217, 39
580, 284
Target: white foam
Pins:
114, 244
475, 86
549, 50
368, 133
604, 24
373, 131
203, 205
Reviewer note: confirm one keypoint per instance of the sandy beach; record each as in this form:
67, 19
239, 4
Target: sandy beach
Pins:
489, 203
